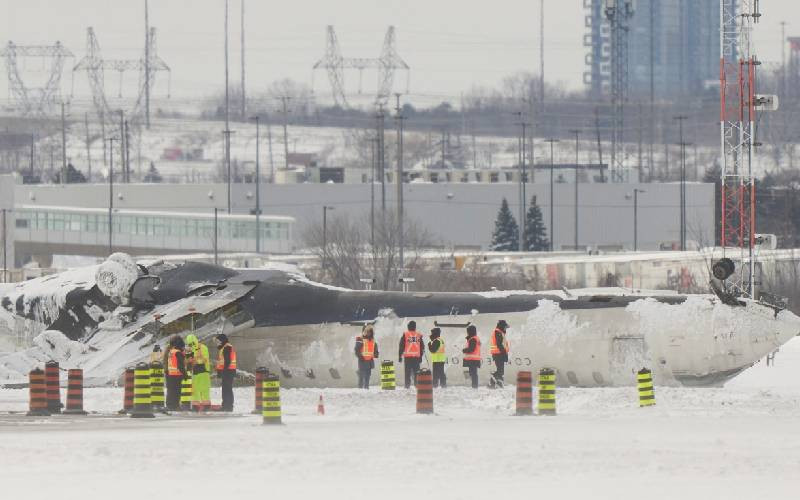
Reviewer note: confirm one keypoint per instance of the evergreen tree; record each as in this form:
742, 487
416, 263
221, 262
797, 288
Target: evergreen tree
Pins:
506, 232
535, 230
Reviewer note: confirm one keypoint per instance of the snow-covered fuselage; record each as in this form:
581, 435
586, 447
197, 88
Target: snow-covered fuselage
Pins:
305, 331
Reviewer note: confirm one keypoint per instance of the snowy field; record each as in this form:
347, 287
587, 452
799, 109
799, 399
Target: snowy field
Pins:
741, 441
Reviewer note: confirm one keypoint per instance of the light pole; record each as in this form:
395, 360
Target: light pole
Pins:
258, 188
577, 133
682, 186
552, 229
5, 247
635, 197
325, 209
110, 194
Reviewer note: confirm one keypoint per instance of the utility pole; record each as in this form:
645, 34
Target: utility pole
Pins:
33, 146
373, 144
127, 153
399, 120
381, 158
652, 127
216, 236
284, 100
681, 119
226, 139
522, 181
244, 95
258, 185
783, 59
577, 133
88, 149
227, 132
122, 143
5, 248
541, 54
552, 226
636, 192
271, 159
599, 144
325, 209
63, 146
111, 195
146, 66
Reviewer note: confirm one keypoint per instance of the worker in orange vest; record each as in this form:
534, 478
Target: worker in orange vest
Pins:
366, 351
472, 354
499, 352
411, 350
226, 369
176, 371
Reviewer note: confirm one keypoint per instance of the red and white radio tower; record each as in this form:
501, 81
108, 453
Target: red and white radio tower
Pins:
737, 138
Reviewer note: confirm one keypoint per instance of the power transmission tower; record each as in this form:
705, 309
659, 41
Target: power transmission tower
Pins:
35, 102
619, 14
96, 66
386, 65
244, 95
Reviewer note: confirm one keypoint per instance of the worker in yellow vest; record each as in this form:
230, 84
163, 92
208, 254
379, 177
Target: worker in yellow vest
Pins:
438, 357
226, 369
201, 374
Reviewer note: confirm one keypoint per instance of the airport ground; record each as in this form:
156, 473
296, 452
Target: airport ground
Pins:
740, 441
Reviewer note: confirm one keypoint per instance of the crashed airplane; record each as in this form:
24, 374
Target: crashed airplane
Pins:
104, 318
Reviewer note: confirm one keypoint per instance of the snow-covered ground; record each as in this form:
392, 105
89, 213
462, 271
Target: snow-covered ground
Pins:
740, 441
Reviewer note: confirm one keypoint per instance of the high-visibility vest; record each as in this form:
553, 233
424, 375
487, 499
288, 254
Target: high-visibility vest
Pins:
475, 355
172, 363
494, 348
413, 340
439, 356
367, 348
200, 357
221, 358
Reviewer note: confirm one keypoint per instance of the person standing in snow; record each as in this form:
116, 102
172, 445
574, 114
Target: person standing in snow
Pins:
472, 354
226, 369
176, 371
438, 357
499, 352
411, 349
366, 350
201, 374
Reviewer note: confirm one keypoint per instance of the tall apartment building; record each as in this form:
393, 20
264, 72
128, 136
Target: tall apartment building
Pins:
680, 37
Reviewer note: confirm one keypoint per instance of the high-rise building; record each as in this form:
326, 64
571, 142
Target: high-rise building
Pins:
680, 37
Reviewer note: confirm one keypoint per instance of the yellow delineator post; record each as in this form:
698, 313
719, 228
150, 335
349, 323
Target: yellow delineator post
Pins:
157, 385
547, 392
271, 400
186, 393
647, 395
142, 407
387, 375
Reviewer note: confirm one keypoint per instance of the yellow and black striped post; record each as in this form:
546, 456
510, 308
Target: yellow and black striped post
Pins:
186, 393
157, 385
141, 392
387, 375
547, 392
271, 399
647, 395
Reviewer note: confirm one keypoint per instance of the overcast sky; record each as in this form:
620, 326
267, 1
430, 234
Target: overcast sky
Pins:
450, 45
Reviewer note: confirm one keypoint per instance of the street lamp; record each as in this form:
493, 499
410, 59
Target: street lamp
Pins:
552, 228
576, 132
325, 209
635, 197
258, 188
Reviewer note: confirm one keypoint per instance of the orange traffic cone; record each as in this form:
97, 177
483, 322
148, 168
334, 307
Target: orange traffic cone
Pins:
320, 406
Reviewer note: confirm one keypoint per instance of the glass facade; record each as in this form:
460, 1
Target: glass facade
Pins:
158, 225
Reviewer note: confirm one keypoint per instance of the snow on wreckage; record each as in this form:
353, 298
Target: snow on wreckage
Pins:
106, 317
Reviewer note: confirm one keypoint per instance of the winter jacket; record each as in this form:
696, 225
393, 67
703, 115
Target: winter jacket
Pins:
498, 339
402, 348
471, 341
359, 347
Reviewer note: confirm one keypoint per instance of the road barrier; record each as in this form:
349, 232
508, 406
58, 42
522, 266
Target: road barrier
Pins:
647, 395
271, 400
51, 377
142, 408
261, 372
75, 392
424, 391
524, 398
157, 385
127, 399
387, 375
37, 388
186, 393
547, 392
